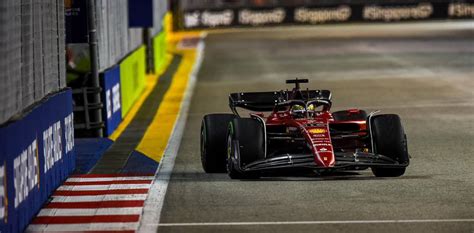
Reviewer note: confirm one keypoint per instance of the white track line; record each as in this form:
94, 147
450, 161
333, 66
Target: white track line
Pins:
118, 226
95, 198
103, 187
312, 222
91, 212
156, 196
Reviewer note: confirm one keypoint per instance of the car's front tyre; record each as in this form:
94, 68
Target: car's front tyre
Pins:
213, 142
245, 144
389, 139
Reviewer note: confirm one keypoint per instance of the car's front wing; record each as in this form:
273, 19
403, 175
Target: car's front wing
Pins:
343, 160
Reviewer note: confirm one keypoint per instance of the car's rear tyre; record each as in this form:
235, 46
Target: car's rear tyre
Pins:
345, 115
213, 142
389, 139
245, 144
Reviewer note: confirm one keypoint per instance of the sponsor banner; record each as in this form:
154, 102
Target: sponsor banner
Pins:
36, 156
140, 13
110, 82
323, 14
76, 21
132, 78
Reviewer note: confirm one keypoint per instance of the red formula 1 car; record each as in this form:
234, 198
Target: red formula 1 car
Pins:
300, 132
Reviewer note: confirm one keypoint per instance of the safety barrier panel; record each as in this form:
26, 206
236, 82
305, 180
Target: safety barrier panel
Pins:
112, 111
132, 78
159, 47
208, 14
124, 83
36, 156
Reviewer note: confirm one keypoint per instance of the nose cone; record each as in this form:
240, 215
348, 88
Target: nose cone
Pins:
322, 146
325, 156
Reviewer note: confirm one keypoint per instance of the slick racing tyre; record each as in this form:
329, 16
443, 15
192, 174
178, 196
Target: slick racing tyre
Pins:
213, 142
245, 144
390, 140
345, 115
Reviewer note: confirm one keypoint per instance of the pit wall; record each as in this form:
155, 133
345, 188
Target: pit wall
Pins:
36, 156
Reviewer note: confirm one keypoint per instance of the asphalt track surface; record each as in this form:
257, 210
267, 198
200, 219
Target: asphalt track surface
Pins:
423, 72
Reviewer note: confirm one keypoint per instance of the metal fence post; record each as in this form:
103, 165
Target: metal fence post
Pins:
92, 24
150, 60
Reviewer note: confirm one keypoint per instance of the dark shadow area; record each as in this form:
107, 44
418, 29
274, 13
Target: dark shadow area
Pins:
336, 176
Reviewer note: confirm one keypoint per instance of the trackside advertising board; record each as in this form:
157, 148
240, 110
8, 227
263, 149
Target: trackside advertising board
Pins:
320, 13
110, 82
132, 78
36, 156
159, 47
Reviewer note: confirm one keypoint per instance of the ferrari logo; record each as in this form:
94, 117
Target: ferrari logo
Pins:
317, 131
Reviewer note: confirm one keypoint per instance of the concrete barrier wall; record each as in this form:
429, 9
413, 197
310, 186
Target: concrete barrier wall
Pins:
111, 97
36, 156
159, 50
124, 83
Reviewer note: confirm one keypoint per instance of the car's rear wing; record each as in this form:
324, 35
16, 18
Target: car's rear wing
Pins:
266, 101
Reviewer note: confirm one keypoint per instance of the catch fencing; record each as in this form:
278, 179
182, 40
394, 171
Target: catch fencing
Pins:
32, 48
159, 12
116, 39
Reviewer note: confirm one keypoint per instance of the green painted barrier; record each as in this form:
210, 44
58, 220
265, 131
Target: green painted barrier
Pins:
159, 46
132, 78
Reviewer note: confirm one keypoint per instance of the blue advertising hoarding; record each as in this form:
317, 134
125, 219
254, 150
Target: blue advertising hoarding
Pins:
110, 82
36, 156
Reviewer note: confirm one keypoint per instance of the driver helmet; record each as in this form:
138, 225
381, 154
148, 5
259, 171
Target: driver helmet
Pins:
297, 110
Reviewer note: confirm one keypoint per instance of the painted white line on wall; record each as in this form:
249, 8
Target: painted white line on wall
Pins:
90, 212
118, 226
103, 187
313, 222
118, 197
156, 196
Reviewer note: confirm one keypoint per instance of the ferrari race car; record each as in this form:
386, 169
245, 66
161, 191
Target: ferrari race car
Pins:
295, 129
